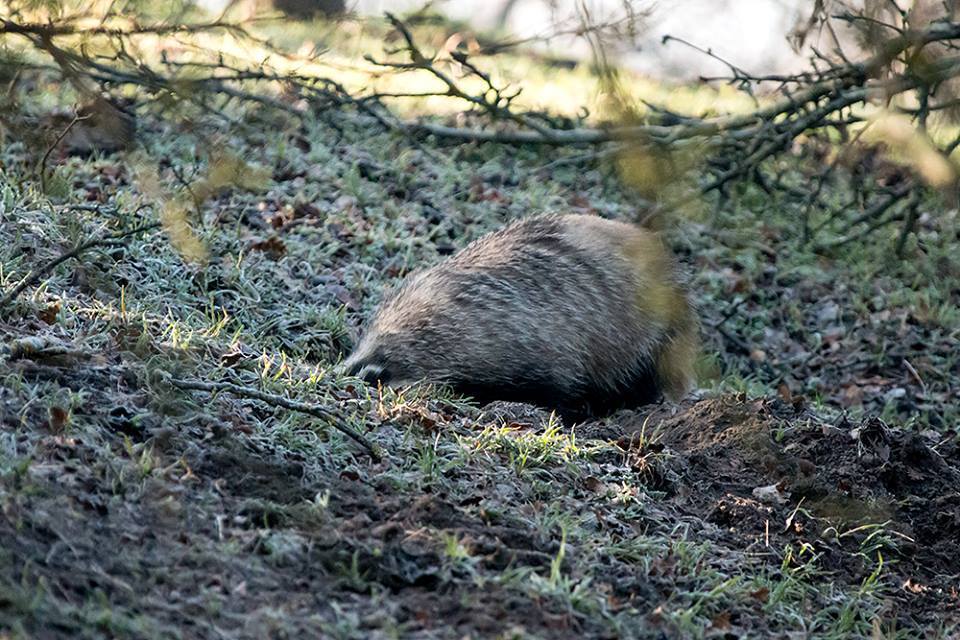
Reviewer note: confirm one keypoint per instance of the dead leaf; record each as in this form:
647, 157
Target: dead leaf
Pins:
58, 420
721, 621
914, 587
762, 594
50, 313
272, 246
661, 566
784, 392
343, 295
412, 415
592, 483
236, 355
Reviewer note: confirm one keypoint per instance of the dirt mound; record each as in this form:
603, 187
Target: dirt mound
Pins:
771, 474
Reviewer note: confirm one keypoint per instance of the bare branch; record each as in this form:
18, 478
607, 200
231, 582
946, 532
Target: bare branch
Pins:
314, 410
46, 156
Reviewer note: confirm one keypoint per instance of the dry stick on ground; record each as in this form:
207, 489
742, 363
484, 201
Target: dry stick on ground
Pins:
38, 347
874, 211
314, 410
734, 340
878, 208
34, 276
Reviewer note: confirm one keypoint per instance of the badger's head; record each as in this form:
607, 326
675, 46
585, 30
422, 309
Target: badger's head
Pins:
395, 358
401, 343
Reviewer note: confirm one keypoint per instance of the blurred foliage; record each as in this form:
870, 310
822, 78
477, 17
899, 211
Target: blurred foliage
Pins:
900, 100
903, 142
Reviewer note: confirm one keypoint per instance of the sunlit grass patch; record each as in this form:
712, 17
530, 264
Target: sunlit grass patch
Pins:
525, 449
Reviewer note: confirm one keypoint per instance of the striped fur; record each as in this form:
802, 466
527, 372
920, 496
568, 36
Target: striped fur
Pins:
572, 312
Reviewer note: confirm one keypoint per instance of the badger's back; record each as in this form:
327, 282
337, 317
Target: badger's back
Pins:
571, 312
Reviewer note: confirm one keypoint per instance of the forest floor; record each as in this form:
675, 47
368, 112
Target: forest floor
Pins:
809, 488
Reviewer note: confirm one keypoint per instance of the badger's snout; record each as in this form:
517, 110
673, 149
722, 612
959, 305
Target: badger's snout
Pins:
367, 371
371, 374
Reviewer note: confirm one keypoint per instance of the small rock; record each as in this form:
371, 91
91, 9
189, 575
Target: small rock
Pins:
828, 312
895, 393
770, 494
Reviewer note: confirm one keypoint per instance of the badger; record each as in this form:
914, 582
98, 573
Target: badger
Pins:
574, 313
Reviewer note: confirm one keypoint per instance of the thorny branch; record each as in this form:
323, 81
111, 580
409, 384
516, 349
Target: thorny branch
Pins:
838, 86
832, 96
494, 100
843, 85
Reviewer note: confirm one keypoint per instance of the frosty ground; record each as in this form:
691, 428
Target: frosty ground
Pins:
808, 489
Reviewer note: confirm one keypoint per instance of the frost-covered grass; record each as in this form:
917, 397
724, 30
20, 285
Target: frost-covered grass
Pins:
133, 509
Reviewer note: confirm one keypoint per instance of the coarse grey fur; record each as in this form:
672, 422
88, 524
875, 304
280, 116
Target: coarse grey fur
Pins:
572, 312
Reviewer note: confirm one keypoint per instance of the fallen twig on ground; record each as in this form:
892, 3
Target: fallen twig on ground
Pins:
279, 401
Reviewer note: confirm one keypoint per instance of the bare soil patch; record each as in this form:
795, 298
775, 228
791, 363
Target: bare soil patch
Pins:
769, 474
